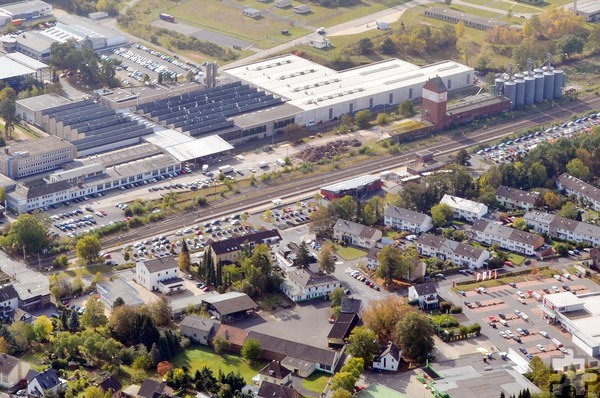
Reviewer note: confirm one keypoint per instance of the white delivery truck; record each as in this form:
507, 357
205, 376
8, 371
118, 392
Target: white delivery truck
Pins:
263, 165
524, 316
226, 169
204, 168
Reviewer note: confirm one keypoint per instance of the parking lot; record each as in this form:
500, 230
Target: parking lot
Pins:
508, 151
138, 60
510, 323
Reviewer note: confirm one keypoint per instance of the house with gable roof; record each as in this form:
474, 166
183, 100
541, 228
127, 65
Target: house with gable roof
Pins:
273, 390
426, 294
458, 253
303, 284
388, 359
12, 370
407, 220
41, 383
160, 274
356, 234
514, 198
275, 373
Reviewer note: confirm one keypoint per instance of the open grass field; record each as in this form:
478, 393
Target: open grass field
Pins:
199, 356
349, 253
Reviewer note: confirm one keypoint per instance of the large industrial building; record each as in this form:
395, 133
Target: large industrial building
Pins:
32, 157
589, 9
16, 67
85, 32
323, 94
24, 11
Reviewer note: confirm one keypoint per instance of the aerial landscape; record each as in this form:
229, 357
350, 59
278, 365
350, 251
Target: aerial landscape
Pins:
299, 198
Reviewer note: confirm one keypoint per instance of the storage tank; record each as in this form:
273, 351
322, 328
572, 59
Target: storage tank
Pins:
529, 89
520, 97
499, 82
559, 82
548, 85
539, 88
510, 92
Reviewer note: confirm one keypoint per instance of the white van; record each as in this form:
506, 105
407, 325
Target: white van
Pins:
280, 162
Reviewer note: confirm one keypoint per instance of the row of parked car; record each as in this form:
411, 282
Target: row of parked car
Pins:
358, 276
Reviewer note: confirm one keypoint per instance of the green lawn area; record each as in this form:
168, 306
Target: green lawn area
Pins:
348, 253
199, 356
515, 258
316, 382
391, 234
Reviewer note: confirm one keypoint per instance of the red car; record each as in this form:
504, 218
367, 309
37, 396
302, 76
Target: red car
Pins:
509, 263
206, 289
104, 213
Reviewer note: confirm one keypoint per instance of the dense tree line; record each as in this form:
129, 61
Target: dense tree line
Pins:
68, 56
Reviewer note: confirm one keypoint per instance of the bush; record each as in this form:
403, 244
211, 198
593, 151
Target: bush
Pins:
445, 306
456, 309
58, 364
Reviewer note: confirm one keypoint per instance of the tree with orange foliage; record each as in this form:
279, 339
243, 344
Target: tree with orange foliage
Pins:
163, 368
382, 316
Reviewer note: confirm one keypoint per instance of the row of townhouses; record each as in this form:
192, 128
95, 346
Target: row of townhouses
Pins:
507, 238
563, 228
459, 253
588, 194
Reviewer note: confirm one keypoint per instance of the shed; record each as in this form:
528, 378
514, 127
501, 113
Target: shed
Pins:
383, 25
302, 9
251, 12
283, 3
229, 306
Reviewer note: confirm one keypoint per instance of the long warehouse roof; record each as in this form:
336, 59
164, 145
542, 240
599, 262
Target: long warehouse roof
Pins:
309, 85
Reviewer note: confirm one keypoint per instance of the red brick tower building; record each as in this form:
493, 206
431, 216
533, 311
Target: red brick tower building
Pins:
433, 102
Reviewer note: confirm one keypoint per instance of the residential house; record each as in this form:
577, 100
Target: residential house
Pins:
229, 306
563, 228
41, 383
388, 359
356, 234
465, 209
371, 261
199, 329
507, 238
302, 359
12, 370
154, 389
514, 198
228, 250
459, 253
426, 294
273, 373
303, 284
341, 329
273, 390
111, 385
588, 194
160, 274
407, 220
9, 302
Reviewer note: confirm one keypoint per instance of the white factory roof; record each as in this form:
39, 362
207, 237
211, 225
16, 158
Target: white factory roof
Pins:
27, 61
36, 41
309, 85
62, 32
462, 204
44, 101
10, 68
354, 183
564, 299
588, 7
23, 7
198, 148
166, 138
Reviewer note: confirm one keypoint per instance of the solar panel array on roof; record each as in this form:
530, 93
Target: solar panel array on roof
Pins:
207, 111
99, 124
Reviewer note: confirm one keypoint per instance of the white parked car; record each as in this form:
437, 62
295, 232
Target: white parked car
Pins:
508, 333
541, 347
520, 294
544, 334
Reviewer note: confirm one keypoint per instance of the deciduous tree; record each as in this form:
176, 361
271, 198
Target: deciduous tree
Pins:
363, 118
326, 259
184, 260
251, 350
42, 328
441, 214
88, 248
363, 343
415, 335
578, 169
93, 317
26, 233
382, 316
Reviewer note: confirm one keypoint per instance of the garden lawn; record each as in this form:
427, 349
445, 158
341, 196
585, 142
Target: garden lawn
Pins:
197, 357
348, 253
316, 382
515, 258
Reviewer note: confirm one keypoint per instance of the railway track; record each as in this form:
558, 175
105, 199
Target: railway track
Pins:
307, 185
